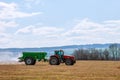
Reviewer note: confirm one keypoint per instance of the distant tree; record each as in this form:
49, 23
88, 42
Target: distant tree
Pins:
76, 54
119, 53
113, 48
111, 53
106, 54
94, 54
82, 55
101, 56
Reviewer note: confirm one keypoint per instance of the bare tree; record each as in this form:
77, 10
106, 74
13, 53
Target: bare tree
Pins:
106, 54
113, 48
111, 53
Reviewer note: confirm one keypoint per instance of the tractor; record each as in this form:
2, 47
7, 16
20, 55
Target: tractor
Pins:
59, 57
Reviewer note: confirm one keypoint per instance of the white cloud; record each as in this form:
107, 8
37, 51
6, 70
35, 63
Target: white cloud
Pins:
7, 24
6, 5
30, 3
4, 38
83, 32
8, 14
38, 36
47, 31
41, 31
87, 31
24, 30
10, 11
112, 21
4, 35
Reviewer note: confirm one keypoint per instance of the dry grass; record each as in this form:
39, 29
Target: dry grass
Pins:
82, 70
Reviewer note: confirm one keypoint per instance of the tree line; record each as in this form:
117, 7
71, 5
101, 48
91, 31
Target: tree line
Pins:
110, 53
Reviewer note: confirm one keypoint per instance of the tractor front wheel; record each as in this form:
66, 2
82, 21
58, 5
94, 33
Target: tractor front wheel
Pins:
54, 61
69, 62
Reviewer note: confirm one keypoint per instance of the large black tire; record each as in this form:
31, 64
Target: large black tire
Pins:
58, 63
69, 62
54, 61
29, 61
34, 62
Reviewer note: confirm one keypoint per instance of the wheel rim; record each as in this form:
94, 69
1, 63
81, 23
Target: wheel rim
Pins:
28, 61
53, 61
68, 62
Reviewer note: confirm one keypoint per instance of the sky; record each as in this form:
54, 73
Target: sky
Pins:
47, 23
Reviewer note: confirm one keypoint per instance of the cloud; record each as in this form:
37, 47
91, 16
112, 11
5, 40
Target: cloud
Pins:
8, 24
11, 11
86, 31
47, 31
112, 21
30, 3
24, 30
41, 31
8, 14
36, 36
5, 36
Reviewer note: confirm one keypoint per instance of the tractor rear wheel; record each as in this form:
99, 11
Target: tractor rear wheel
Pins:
69, 62
54, 61
29, 61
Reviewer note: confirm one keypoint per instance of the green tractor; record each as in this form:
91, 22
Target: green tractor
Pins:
59, 57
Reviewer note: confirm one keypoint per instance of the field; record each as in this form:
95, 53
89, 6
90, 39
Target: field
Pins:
82, 70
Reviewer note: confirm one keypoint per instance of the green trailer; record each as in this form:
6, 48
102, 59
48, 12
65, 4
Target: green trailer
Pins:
30, 58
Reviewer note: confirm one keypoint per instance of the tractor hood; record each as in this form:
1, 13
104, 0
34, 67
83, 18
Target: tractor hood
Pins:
66, 56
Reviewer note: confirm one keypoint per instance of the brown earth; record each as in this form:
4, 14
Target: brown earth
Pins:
82, 70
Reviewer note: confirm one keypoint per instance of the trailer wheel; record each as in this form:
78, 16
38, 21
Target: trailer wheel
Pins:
54, 61
69, 62
34, 61
29, 61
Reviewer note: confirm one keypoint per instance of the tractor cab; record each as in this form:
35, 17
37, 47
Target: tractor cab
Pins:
59, 53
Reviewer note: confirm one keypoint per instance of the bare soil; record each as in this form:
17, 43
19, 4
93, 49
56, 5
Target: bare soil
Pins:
82, 70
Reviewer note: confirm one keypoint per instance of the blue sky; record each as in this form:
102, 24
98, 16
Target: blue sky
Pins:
45, 23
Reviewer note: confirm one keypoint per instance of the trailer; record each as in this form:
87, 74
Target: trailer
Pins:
30, 58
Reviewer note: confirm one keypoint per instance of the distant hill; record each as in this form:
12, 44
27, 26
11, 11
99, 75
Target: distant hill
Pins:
55, 48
